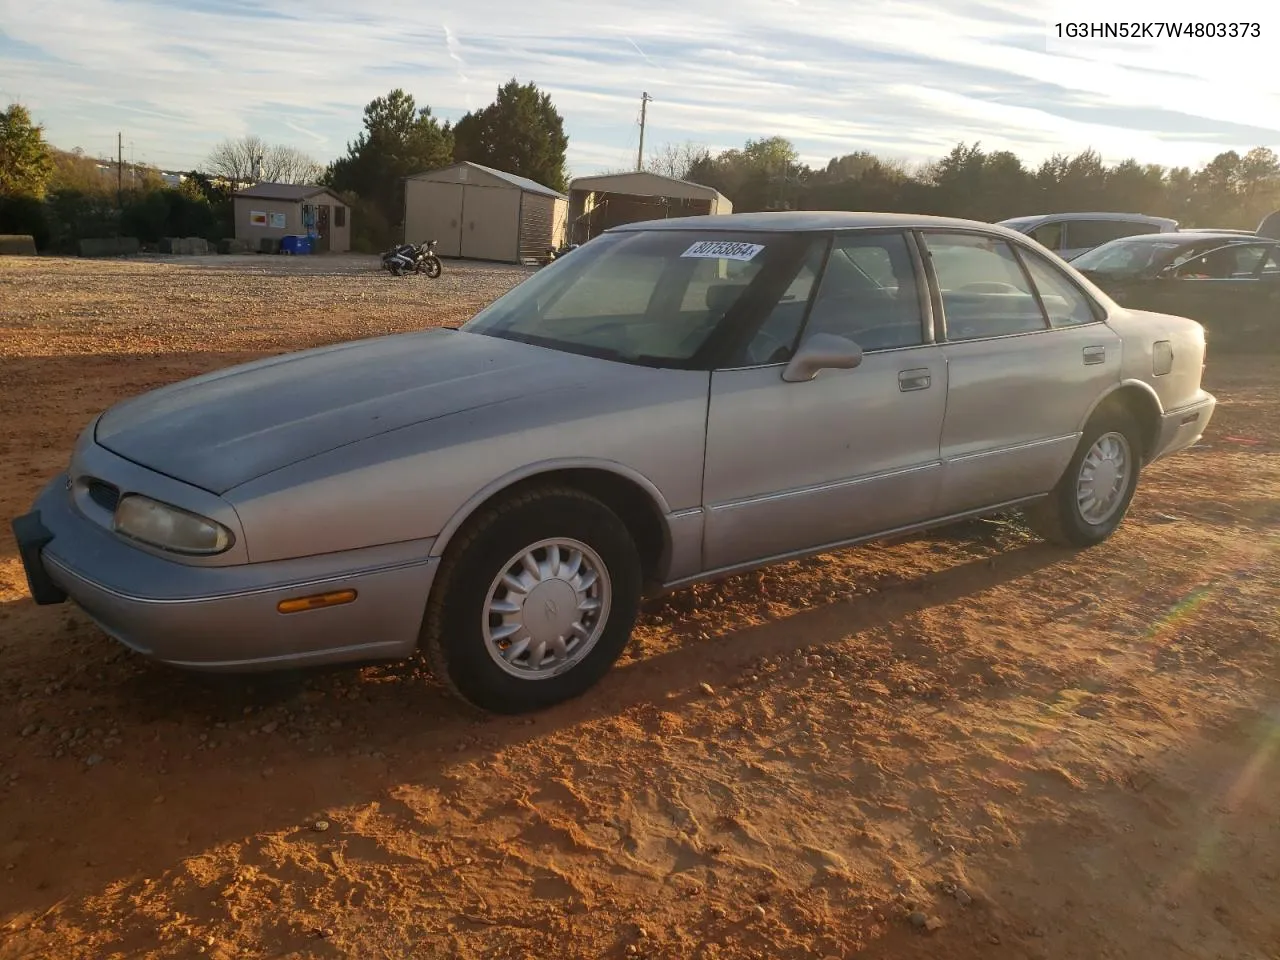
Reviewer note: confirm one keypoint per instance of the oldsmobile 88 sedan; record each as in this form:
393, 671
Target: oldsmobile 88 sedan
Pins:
676, 401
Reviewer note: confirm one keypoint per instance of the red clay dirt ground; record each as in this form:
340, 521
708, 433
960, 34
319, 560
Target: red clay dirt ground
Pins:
1043, 753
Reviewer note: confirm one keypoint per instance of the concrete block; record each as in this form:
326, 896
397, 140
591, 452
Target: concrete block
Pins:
17, 245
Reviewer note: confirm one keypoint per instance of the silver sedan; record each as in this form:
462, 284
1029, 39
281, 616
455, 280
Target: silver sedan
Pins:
676, 401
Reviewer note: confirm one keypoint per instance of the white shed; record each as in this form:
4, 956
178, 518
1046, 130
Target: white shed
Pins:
477, 212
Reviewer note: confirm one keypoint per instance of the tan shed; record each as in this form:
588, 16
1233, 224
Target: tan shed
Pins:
479, 213
275, 210
598, 203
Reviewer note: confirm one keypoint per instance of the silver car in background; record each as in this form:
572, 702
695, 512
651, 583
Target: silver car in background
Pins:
1071, 234
676, 401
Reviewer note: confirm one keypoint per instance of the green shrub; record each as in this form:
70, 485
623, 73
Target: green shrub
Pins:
24, 215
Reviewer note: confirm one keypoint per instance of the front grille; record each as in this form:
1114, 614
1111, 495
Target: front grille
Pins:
103, 494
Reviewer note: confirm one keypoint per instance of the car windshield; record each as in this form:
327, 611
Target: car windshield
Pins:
639, 296
1126, 255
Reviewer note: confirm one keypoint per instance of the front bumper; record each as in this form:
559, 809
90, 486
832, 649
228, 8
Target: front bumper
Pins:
226, 617
1183, 426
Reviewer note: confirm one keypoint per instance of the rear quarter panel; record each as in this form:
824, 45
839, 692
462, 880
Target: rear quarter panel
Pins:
1141, 331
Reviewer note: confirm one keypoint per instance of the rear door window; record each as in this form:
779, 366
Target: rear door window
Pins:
985, 292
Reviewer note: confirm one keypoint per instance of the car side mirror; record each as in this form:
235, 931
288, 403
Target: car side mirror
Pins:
822, 351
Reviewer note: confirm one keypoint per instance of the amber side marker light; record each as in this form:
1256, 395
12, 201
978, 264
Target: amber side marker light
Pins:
316, 601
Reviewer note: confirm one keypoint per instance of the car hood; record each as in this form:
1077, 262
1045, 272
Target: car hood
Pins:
225, 428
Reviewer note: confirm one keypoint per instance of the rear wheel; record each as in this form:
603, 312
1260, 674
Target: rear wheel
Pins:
534, 602
1094, 493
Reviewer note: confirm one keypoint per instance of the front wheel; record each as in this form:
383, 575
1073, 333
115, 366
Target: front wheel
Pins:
1094, 493
534, 602
431, 266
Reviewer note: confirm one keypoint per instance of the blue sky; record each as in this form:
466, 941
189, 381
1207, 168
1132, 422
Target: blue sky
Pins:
901, 78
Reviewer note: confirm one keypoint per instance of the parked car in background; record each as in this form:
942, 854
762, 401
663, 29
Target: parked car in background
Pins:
1228, 281
676, 401
1071, 234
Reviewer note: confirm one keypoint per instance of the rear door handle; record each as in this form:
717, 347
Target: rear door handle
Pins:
1095, 355
918, 379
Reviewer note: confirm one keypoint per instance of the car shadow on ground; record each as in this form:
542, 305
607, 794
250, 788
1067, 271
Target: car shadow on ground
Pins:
143, 734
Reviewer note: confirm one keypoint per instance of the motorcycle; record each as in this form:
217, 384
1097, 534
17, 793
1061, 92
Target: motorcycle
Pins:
398, 257
555, 254
410, 258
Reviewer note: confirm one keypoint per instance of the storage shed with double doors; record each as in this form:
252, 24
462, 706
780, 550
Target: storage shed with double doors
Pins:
275, 210
479, 213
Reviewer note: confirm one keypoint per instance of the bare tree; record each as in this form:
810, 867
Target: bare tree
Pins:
676, 159
282, 164
239, 161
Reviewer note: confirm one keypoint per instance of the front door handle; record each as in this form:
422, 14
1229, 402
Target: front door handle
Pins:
1095, 355
918, 379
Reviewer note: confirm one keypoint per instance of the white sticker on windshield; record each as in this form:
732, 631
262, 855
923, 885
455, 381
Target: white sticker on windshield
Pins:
723, 250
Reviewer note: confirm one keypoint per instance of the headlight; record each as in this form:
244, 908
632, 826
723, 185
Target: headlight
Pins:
168, 527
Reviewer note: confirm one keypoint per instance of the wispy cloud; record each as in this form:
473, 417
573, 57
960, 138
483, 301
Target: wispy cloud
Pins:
904, 78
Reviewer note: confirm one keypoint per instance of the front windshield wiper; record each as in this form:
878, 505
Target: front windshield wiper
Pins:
586, 349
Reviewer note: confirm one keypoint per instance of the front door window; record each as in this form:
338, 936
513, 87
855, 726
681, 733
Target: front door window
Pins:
869, 293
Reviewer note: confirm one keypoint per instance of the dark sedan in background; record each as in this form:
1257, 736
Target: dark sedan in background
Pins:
1228, 281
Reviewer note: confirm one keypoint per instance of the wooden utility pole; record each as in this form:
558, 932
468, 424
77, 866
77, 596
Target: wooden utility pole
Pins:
644, 102
120, 169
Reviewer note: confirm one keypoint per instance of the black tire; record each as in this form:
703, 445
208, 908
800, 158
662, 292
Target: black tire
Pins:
454, 633
1058, 518
434, 267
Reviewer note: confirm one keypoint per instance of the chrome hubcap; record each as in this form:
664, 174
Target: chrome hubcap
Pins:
1104, 475
546, 608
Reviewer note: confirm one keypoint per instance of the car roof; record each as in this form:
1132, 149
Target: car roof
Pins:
1097, 215
1190, 237
804, 221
